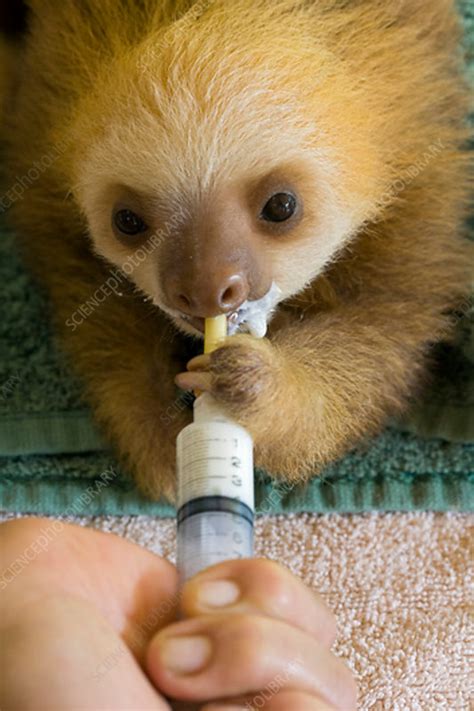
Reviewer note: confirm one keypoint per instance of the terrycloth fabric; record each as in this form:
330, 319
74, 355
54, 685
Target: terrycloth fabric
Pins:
51, 453
398, 472
400, 585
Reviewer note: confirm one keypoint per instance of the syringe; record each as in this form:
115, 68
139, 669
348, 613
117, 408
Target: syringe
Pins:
215, 481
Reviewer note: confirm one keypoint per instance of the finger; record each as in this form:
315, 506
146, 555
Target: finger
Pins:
259, 586
193, 381
66, 632
238, 655
294, 700
200, 362
138, 595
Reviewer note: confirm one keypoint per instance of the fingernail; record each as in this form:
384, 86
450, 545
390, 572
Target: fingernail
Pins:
218, 593
185, 655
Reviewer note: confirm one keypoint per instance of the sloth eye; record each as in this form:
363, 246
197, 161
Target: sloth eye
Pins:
129, 223
279, 208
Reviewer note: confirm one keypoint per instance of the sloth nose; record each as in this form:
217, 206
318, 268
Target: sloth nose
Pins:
221, 292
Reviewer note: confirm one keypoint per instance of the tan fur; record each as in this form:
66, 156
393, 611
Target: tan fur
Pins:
186, 102
4, 67
6, 73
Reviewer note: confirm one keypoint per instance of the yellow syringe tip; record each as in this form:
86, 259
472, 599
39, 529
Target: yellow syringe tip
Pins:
215, 330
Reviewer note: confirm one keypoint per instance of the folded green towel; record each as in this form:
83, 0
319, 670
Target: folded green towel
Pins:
52, 459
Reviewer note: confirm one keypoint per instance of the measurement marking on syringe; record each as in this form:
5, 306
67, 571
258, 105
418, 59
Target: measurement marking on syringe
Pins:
201, 442
206, 477
205, 459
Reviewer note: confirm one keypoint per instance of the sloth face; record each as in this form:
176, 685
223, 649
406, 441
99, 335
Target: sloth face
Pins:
224, 240
199, 256
218, 182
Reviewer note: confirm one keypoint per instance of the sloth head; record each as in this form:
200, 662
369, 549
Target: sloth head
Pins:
226, 160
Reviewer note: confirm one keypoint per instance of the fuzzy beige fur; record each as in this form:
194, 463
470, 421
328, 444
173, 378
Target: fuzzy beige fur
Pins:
192, 107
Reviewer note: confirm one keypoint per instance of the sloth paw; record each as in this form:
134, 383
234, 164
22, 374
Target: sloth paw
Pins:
243, 374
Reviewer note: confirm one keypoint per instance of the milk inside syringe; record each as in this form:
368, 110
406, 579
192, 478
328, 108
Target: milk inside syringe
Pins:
215, 471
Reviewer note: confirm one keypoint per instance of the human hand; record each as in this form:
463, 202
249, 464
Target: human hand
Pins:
101, 610
253, 637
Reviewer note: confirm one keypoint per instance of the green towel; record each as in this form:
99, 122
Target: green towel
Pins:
52, 459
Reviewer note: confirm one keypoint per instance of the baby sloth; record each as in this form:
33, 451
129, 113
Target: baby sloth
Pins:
204, 154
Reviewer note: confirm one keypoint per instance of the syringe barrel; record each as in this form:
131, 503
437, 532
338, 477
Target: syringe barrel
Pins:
215, 490
211, 530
